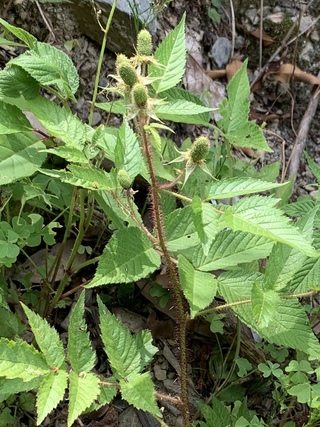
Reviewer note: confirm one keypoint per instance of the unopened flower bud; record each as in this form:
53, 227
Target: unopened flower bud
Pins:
144, 43
128, 73
124, 179
140, 95
199, 149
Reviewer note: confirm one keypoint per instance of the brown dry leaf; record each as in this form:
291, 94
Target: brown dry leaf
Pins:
216, 74
232, 68
197, 82
288, 71
266, 39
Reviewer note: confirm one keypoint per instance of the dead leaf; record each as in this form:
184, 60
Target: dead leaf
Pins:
288, 72
216, 74
266, 39
232, 68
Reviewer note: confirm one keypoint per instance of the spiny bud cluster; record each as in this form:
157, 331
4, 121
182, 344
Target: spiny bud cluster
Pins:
199, 149
140, 95
144, 43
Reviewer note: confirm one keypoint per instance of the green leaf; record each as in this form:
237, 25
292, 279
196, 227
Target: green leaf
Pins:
47, 339
177, 93
206, 222
307, 277
171, 58
128, 154
235, 109
71, 154
14, 82
116, 107
199, 288
59, 122
229, 188
82, 176
10, 322
257, 215
249, 135
180, 231
127, 354
20, 360
182, 111
288, 327
9, 387
19, 156
23, 35
50, 392
83, 390
128, 257
315, 169
50, 67
264, 304
82, 357
285, 261
139, 391
230, 249
215, 416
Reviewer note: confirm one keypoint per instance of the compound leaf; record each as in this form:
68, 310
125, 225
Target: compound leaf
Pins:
128, 256
50, 392
47, 338
138, 390
83, 390
82, 357
264, 304
171, 58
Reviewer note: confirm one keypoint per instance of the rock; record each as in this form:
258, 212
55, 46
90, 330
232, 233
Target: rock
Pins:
221, 51
307, 51
122, 33
252, 15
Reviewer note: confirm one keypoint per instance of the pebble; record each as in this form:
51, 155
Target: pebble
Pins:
221, 51
96, 118
252, 15
306, 51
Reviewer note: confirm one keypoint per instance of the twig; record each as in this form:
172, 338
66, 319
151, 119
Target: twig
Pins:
300, 142
233, 26
45, 20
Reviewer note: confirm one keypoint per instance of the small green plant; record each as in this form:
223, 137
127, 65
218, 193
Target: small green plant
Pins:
227, 219
213, 10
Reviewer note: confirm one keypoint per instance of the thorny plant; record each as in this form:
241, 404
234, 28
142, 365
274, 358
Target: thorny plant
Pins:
212, 224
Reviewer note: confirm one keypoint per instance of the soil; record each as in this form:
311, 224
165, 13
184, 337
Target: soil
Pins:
276, 98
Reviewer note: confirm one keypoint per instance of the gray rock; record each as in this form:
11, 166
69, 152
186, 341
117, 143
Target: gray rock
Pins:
253, 16
221, 51
122, 33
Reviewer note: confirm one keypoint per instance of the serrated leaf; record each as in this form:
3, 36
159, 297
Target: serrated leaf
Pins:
288, 327
230, 249
9, 387
81, 355
199, 288
139, 391
50, 392
206, 222
178, 93
182, 111
19, 156
128, 256
257, 215
50, 67
249, 135
215, 416
12, 120
47, 338
20, 360
116, 107
285, 261
20, 33
235, 109
128, 154
14, 82
71, 154
264, 304
180, 230
171, 58
82, 176
128, 354
307, 276
59, 122
315, 169
229, 188
83, 390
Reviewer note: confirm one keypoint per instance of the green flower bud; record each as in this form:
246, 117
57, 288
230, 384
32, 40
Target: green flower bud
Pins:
124, 179
144, 43
128, 73
121, 58
140, 95
199, 149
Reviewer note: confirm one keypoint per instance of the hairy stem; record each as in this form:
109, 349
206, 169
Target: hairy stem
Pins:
176, 288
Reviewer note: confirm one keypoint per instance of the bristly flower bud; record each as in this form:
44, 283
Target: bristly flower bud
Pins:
140, 95
128, 73
199, 149
144, 43
124, 179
